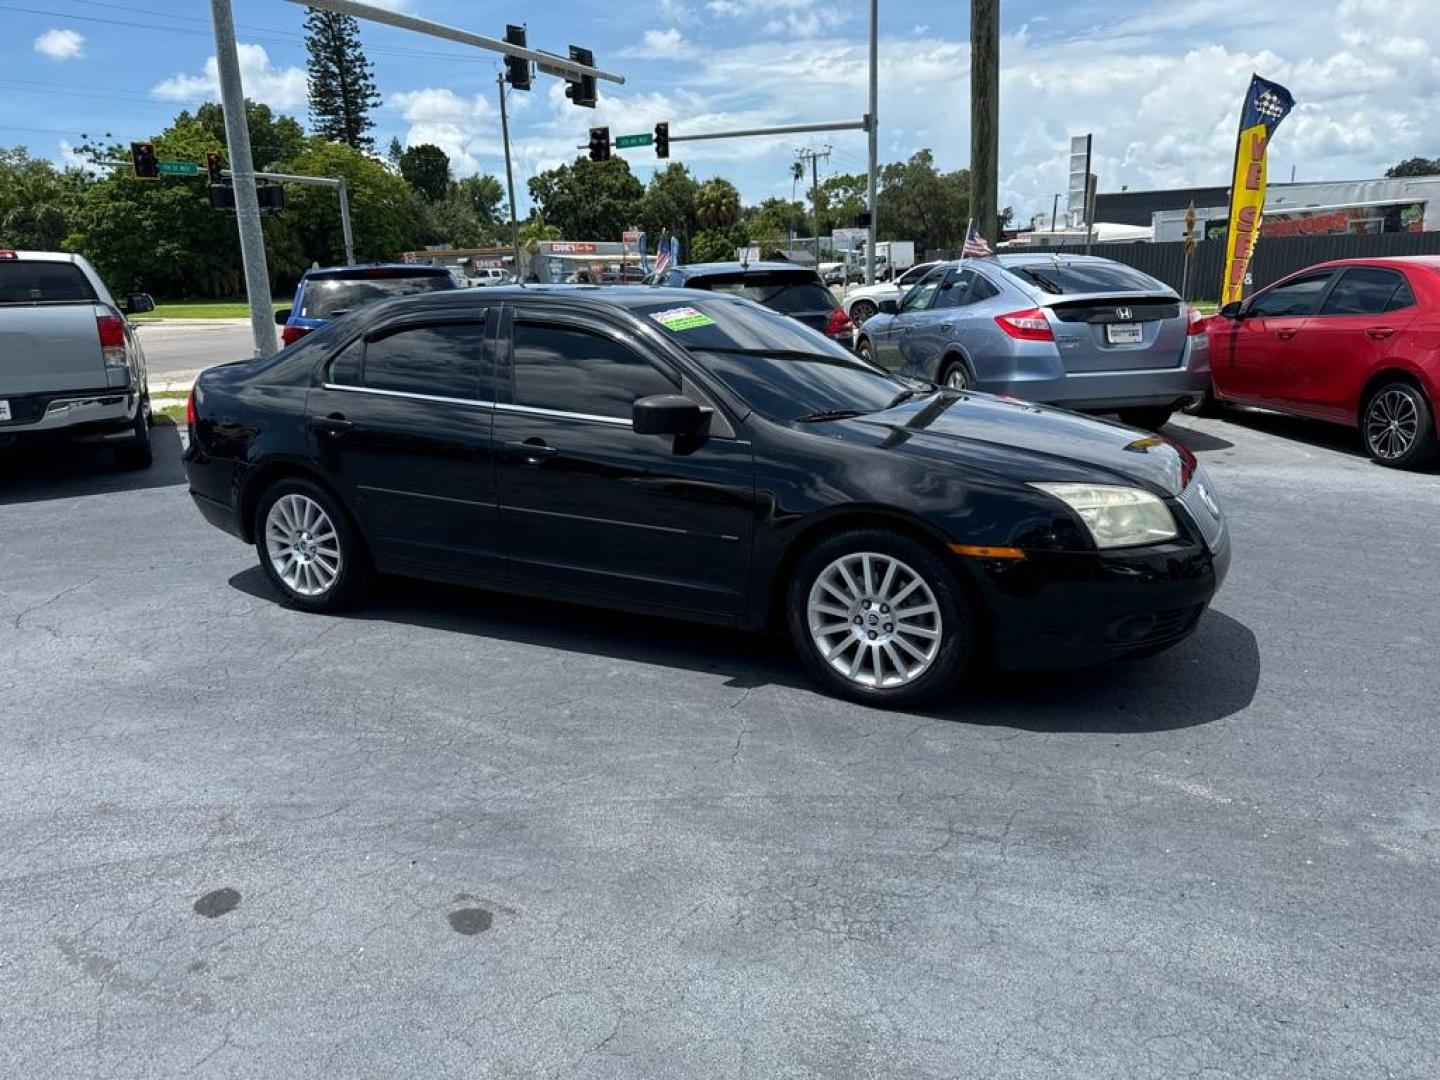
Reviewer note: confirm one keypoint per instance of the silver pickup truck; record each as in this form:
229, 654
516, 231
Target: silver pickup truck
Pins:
70, 363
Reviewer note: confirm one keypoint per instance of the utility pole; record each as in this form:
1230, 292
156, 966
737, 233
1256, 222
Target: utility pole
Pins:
813, 156
872, 128
985, 117
1054, 211
242, 171
509, 176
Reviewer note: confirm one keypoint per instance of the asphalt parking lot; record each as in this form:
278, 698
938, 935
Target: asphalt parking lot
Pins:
455, 834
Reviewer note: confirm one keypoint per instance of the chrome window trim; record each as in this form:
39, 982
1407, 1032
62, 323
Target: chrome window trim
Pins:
535, 410
408, 394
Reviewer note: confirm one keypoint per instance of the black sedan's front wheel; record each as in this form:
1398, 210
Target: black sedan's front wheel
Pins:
878, 618
308, 548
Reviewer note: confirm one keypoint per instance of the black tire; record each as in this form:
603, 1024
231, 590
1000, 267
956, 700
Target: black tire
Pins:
1204, 405
1397, 426
864, 351
353, 575
1151, 418
861, 310
138, 453
956, 619
956, 367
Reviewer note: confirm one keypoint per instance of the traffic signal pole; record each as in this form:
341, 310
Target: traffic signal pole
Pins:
509, 176
247, 203
872, 129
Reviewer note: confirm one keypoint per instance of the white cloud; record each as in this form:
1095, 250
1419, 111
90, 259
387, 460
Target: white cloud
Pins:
465, 128
61, 45
282, 88
667, 44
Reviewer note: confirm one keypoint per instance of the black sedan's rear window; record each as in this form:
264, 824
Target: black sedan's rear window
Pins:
1060, 278
26, 282
788, 292
330, 297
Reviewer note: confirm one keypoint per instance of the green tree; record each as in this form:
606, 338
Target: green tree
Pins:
535, 228
1415, 166
385, 215
588, 200
273, 138
712, 245
486, 197
669, 201
717, 204
341, 80
426, 168
394, 151
917, 202
37, 201
842, 197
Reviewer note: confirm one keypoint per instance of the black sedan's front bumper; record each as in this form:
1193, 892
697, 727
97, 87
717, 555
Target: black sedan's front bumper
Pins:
1063, 610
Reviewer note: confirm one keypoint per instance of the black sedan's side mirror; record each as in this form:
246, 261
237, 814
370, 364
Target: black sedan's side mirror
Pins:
139, 303
887, 307
666, 414
1231, 310
282, 316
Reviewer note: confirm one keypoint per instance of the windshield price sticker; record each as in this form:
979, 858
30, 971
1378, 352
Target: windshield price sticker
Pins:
682, 318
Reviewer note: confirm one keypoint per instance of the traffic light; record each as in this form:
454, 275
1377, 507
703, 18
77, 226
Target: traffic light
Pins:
212, 166
517, 71
581, 90
146, 164
600, 144
662, 139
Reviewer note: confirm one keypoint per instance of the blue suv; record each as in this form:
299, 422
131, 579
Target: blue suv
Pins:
328, 293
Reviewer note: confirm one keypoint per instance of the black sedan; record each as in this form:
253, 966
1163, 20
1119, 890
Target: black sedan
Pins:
698, 455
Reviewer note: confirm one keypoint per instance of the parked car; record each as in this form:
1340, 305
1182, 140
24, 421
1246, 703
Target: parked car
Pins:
842, 274
491, 275
784, 287
860, 304
1086, 333
333, 291
1354, 341
71, 364
700, 456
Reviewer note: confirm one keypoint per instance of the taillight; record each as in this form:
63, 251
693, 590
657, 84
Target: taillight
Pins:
839, 324
190, 409
1197, 320
291, 334
112, 339
1027, 325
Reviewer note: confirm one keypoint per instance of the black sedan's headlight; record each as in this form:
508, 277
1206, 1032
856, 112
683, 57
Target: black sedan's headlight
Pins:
1117, 517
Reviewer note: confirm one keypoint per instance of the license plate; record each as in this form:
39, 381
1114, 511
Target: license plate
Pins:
4, 410
1124, 333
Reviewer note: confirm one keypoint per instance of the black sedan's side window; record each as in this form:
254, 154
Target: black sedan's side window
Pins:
345, 366
442, 360
571, 370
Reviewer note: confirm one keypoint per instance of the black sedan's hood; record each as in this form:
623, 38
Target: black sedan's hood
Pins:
1026, 442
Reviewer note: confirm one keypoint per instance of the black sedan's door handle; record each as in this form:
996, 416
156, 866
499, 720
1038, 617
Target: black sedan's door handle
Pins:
334, 424
534, 451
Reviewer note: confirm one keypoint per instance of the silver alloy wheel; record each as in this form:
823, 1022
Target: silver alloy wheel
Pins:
1391, 424
957, 378
874, 620
302, 544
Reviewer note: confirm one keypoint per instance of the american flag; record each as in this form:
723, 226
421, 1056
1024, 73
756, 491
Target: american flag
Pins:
975, 246
662, 255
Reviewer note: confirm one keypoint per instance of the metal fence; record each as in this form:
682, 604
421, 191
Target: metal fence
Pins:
1274, 257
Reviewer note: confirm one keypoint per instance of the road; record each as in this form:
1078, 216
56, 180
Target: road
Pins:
455, 834
176, 349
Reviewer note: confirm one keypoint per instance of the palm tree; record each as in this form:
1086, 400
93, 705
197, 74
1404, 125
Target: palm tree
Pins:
717, 204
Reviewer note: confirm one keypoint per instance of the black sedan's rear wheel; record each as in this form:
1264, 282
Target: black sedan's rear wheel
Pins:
1399, 427
308, 548
878, 618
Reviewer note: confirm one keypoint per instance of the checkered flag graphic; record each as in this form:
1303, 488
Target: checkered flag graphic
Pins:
1269, 105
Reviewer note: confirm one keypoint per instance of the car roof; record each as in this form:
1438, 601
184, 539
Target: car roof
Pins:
716, 268
41, 256
416, 269
593, 297
1394, 262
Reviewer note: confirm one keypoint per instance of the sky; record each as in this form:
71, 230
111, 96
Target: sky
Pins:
1158, 82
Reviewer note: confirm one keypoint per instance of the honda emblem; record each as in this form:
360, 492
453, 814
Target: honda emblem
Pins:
1124, 314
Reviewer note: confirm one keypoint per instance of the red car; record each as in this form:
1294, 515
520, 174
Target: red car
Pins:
1354, 341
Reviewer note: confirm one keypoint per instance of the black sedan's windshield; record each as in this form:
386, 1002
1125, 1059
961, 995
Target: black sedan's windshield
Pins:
779, 367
